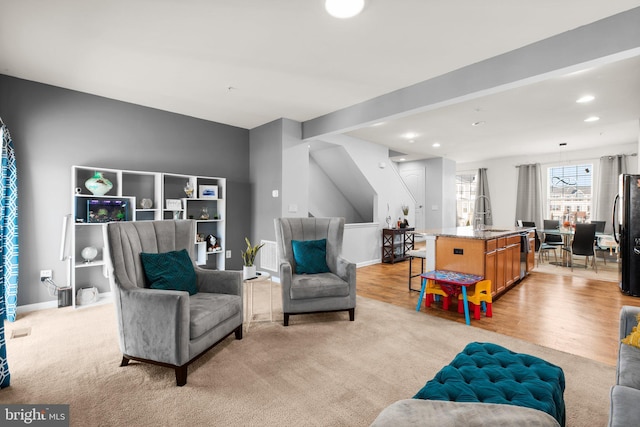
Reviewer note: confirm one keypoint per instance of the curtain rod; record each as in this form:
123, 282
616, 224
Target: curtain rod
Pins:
616, 155
577, 160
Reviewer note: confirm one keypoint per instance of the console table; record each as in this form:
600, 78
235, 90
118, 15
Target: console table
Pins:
395, 243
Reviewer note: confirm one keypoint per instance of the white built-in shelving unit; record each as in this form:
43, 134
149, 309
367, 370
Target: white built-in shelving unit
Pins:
139, 196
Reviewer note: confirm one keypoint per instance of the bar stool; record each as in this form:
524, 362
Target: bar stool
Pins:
480, 295
416, 253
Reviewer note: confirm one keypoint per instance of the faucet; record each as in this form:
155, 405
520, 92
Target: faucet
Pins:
478, 217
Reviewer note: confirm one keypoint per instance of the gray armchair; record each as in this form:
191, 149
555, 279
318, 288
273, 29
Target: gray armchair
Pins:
167, 327
334, 290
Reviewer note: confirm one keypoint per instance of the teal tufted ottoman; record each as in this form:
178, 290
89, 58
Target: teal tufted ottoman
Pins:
488, 373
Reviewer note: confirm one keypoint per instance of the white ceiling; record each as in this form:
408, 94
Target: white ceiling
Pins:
248, 62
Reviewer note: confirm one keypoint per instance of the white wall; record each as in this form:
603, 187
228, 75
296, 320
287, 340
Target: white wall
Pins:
503, 174
362, 242
295, 171
439, 188
325, 199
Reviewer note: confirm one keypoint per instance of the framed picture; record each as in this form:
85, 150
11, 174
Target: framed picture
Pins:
174, 204
208, 191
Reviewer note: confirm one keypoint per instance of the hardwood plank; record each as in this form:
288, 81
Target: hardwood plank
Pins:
572, 314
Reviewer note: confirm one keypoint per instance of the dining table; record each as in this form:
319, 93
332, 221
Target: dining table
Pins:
567, 236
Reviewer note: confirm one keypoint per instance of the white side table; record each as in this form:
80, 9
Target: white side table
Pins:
263, 278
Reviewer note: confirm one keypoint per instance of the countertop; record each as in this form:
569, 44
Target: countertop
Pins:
491, 232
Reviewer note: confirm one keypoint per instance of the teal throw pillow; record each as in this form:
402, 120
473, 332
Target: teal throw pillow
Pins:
310, 256
170, 270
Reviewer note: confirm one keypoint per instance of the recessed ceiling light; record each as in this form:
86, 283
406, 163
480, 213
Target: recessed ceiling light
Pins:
344, 8
402, 159
480, 123
592, 119
410, 135
436, 144
586, 98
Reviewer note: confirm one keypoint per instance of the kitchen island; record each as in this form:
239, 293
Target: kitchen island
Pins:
494, 253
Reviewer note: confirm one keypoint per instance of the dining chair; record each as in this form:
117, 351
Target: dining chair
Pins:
550, 238
541, 248
600, 225
583, 244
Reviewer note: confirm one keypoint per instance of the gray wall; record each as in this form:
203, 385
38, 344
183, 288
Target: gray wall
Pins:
266, 176
55, 128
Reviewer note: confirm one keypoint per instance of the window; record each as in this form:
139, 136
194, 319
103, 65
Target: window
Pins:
569, 191
465, 198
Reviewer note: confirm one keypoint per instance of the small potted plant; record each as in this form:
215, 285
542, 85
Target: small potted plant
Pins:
405, 212
248, 259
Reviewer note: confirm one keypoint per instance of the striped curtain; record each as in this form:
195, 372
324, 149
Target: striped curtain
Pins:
8, 245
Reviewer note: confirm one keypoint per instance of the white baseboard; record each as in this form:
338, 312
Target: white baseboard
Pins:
35, 307
366, 263
105, 298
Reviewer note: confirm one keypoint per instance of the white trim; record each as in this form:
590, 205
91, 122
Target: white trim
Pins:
370, 262
105, 298
35, 307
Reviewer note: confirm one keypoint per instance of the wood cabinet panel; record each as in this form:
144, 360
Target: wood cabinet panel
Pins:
462, 255
501, 261
490, 260
531, 256
496, 259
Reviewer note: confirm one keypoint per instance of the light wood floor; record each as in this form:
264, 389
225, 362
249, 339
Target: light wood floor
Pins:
571, 314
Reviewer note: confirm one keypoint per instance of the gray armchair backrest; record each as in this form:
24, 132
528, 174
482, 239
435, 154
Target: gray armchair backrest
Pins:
128, 239
288, 229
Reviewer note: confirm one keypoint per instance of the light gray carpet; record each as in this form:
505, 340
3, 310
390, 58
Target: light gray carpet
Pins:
322, 370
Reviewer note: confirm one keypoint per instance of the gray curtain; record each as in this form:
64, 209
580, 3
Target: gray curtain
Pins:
482, 207
529, 196
610, 168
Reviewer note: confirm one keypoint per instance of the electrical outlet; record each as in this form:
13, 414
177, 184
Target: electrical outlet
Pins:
45, 274
228, 254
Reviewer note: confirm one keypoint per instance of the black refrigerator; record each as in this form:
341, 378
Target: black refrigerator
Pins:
627, 217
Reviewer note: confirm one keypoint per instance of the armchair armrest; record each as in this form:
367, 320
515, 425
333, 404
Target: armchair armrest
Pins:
628, 319
164, 334
346, 269
286, 277
219, 282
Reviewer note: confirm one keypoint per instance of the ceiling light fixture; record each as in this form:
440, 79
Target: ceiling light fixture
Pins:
435, 145
480, 123
402, 159
344, 8
592, 119
410, 135
584, 99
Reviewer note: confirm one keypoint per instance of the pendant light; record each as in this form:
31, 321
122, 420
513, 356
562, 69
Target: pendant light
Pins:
344, 8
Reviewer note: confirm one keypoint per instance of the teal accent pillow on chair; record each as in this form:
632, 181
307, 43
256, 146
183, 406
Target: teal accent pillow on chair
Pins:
170, 270
310, 256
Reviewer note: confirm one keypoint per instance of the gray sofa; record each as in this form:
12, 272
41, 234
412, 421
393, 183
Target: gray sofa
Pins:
441, 413
625, 394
